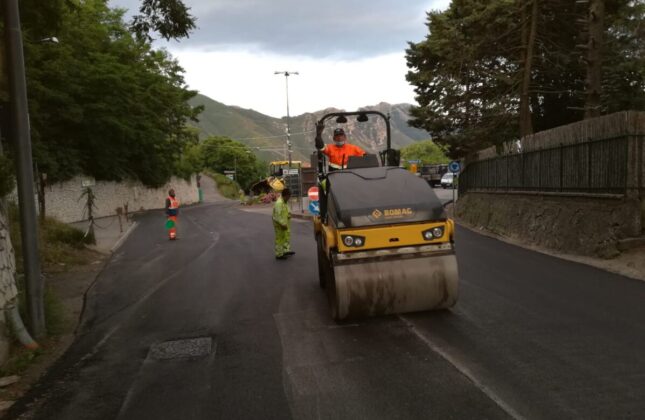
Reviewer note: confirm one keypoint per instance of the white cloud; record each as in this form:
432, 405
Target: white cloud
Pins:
247, 79
349, 53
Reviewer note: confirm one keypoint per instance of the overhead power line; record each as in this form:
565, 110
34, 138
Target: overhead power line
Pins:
273, 137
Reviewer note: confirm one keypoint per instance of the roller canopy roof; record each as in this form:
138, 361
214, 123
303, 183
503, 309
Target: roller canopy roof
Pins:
381, 196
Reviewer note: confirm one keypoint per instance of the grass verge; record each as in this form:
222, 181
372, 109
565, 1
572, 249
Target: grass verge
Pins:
226, 186
61, 247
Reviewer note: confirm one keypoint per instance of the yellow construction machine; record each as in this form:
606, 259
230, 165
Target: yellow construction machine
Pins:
384, 242
276, 180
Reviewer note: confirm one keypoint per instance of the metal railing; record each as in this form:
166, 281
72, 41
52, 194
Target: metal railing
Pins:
597, 167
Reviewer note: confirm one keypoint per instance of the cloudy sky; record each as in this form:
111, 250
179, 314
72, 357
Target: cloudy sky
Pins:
349, 53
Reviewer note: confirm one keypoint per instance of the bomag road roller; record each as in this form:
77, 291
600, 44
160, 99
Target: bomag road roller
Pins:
384, 242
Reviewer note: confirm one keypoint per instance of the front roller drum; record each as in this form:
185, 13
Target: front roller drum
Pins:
383, 286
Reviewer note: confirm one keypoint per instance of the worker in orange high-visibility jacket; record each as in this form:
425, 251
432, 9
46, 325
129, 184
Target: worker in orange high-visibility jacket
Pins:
339, 153
172, 211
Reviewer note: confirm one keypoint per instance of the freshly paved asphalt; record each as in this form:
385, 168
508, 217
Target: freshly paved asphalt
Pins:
532, 336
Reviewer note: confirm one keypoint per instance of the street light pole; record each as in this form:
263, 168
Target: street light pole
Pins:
286, 78
24, 165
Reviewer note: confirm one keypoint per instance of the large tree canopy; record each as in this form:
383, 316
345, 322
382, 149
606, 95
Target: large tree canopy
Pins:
469, 69
102, 101
221, 154
425, 151
169, 18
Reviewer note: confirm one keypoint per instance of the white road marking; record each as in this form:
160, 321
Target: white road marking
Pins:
463, 369
125, 236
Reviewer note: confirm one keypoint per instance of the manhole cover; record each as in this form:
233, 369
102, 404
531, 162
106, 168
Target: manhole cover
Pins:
181, 349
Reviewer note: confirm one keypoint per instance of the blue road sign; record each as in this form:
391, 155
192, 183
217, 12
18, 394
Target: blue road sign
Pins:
454, 166
314, 208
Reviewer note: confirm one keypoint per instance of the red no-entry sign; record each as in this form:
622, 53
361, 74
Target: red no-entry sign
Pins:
313, 193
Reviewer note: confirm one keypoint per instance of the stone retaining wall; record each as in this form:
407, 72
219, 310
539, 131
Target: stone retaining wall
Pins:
63, 201
573, 225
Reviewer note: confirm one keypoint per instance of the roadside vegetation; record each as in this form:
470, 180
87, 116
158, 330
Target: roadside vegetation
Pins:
220, 154
226, 186
103, 102
61, 247
425, 151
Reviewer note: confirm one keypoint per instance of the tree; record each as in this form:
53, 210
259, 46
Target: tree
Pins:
491, 72
221, 154
104, 103
623, 72
529, 35
594, 57
170, 18
463, 76
425, 151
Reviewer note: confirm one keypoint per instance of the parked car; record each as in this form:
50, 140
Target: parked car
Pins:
448, 180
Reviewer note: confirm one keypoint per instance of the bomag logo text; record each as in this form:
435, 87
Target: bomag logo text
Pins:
398, 212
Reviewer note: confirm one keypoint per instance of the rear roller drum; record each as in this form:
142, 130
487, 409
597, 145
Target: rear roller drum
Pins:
322, 263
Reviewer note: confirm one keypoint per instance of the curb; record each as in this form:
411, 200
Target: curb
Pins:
302, 216
124, 237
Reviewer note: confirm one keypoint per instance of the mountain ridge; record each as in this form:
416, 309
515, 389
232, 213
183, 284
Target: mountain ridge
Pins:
266, 134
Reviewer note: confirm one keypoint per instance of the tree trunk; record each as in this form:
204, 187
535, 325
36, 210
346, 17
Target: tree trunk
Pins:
529, 34
594, 58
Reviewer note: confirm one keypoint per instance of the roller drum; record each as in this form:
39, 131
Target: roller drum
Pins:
379, 286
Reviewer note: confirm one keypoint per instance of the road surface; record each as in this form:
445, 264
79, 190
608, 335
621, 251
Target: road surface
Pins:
532, 336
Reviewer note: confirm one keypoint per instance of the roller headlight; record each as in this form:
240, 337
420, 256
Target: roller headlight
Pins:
433, 234
352, 241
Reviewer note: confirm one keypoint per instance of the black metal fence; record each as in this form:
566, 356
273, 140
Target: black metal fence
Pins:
598, 166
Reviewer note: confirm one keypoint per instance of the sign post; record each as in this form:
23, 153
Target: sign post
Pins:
454, 167
314, 204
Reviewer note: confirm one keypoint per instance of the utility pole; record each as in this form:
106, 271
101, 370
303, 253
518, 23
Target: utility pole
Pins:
286, 78
24, 166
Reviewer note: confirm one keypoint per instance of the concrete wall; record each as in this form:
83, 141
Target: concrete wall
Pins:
574, 225
64, 202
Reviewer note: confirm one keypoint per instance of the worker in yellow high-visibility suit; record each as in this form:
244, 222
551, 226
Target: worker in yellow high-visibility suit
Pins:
281, 221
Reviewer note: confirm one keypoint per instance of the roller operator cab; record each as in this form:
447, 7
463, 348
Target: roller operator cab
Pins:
384, 242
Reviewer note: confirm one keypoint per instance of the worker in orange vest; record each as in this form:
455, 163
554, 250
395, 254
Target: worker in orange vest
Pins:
172, 211
339, 153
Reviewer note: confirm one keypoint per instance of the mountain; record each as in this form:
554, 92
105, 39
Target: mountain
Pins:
267, 134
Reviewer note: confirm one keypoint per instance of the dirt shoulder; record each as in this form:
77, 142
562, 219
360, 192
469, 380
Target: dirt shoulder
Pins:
66, 287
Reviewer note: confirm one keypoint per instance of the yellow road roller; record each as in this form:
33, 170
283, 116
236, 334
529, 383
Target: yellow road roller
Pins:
384, 242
